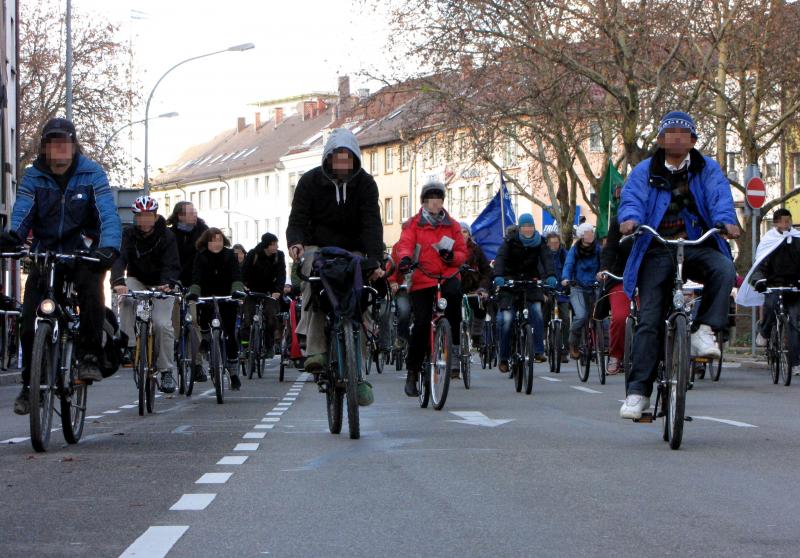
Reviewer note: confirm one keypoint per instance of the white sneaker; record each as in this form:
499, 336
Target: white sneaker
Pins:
634, 406
704, 344
796, 370
760, 340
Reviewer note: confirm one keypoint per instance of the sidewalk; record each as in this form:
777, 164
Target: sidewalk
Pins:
742, 355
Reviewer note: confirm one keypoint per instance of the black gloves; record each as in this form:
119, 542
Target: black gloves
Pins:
9, 240
106, 255
446, 255
405, 265
192, 297
761, 285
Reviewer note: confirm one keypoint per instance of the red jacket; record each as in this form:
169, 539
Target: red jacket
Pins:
415, 232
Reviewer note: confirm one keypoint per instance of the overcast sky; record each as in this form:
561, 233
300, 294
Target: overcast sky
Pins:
301, 46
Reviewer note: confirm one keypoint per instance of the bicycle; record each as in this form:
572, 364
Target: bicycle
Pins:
521, 360
53, 360
398, 355
370, 348
253, 360
554, 335
144, 359
184, 354
778, 357
631, 321
488, 350
673, 368
10, 312
592, 340
215, 338
466, 337
289, 325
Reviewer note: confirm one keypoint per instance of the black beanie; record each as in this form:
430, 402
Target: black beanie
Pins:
268, 238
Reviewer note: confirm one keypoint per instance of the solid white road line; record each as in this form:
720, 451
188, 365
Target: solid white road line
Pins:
214, 478
726, 421
111, 412
249, 446
193, 502
156, 542
254, 435
232, 460
93, 417
585, 389
128, 407
15, 440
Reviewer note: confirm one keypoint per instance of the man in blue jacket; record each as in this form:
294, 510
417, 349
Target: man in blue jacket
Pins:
682, 194
65, 199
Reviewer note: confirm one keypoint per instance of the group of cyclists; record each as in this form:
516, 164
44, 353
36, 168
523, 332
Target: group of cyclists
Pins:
64, 203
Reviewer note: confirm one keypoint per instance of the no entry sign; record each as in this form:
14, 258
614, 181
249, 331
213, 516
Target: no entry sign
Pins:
755, 192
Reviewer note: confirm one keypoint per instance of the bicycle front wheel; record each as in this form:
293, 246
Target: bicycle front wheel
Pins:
600, 350
785, 367
334, 395
217, 366
351, 362
585, 356
518, 358
466, 344
254, 351
44, 364
677, 371
528, 362
773, 354
141, 366
441, 363
73, 399
715, 368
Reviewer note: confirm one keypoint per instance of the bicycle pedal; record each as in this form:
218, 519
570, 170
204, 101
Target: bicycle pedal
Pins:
646, 418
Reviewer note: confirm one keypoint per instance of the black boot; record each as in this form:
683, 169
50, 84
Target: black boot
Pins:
411, 384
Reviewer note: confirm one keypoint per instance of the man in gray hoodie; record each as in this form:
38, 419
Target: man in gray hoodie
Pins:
335, 204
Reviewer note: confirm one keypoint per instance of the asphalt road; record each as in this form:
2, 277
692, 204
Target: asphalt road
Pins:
562, 477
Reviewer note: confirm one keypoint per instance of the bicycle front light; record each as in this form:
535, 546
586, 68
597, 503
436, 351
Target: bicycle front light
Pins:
256, 318
442, 303
143, 311
215, 322
677, 300
47, 307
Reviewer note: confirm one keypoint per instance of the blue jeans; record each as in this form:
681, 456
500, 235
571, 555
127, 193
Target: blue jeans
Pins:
504, 320
577, 299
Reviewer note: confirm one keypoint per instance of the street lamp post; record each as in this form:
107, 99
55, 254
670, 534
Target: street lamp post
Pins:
236, 48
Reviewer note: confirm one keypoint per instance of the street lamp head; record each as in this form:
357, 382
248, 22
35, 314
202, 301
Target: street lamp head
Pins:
168, 115
240, 48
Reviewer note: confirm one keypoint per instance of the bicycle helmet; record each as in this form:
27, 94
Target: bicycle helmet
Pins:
144, 203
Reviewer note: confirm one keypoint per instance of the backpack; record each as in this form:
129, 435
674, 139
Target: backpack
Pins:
115, 341
340, 272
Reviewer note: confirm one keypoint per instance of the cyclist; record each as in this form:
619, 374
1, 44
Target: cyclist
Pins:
402, 303
216, 274
559, 255
264, 271
65, 201
149, 254
681, 193
580, 270
777, 265
613, 257
522, 255
430, 229
478, 281
241, 253
336, 205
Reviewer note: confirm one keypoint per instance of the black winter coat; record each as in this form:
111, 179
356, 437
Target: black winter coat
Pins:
187, 249
262, 273
481, 278
614, 254
516, 261
216, 274
152, 259
782, 267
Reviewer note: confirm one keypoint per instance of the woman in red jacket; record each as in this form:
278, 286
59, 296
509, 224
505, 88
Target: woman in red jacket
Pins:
429, 230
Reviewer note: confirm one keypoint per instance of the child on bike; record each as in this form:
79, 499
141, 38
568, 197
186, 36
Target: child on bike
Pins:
433, 230
216, 273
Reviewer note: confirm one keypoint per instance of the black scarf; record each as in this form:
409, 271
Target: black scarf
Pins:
587, 251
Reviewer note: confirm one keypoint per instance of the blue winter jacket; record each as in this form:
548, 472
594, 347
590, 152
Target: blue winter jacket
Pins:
582, 270
646, 197
61, 221
559, 259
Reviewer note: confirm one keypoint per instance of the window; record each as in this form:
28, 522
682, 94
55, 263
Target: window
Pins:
255, 186
167, 204
203, 200
245, 184
476, 195
292, 184
223, 197
448, 148
235, 232
462, 147
595, 138
266, 185
193, 198
433, 152
796, 167
731, 162
237, 190
771, 170
462, 201
510, 148
403, 157
388, 164
489, 192
247, 229
278, 226
388, 211
373, 162
403, 208
213, 198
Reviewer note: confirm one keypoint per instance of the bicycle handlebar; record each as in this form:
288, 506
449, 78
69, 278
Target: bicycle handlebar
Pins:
611, 275
641, 229
139, 295
35, 255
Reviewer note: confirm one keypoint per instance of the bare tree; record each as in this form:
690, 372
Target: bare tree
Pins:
103, 91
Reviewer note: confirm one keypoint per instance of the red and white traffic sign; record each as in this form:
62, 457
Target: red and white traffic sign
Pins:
756, 192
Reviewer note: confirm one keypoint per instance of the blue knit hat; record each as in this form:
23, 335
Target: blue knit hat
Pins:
525, 219
677, 119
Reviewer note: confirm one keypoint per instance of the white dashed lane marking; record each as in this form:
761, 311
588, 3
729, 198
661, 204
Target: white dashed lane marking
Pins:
254, 435
246, 447
193, 502
730, 422
585, 389
264, 426
156, 542
214, 478
232, 460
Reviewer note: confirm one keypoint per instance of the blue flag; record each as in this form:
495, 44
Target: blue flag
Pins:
488, 229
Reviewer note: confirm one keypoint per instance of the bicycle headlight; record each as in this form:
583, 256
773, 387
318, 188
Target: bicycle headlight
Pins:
442, 304
188, 318
47, 306
143, 311
525, 313
677, 299
215, 322
256, 318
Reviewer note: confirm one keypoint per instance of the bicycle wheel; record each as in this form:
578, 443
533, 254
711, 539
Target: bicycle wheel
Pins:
774, 351
189, 360
424, 384
677, 370
254, 350
783, 356
715, 368
399, 358
466, 343
216, 365
73, 398
528, 362
441, 360
351, 362
141, 365
44, 364
518, 358
600, 351
585, 356
334, 395
626, 356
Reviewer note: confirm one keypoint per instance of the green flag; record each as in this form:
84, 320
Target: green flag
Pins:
608, 203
